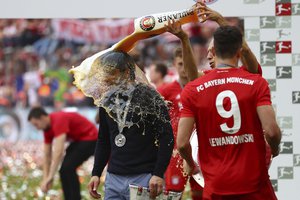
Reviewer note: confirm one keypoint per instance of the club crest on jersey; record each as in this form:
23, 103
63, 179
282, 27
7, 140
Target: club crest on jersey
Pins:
147, 23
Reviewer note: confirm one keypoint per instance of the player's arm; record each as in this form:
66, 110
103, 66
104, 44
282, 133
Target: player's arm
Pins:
189, 63
57, 155
248, 58
47, 160
185, 129
103, 146
205, 13
101, 155
271, 129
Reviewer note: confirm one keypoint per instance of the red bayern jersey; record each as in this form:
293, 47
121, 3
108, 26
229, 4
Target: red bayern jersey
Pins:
175, 179
171, 93
75, 126
231, 142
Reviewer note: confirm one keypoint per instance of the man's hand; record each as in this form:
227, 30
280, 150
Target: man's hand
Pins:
93, 186
174, 27
205, 13
155, 186
190, 170
46, 184
273, 150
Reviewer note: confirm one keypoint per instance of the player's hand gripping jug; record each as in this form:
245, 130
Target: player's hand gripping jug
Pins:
152, 25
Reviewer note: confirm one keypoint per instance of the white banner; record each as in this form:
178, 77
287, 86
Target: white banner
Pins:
99, 31
104, 31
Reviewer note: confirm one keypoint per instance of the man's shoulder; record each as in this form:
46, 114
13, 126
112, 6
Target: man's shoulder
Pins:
242, 75
58, 113
169, 89
215, 74
63, 115
57, 117
142, 89
170, 85
192, 85
208, 74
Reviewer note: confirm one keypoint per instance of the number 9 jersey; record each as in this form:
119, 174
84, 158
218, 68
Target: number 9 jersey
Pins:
232, 149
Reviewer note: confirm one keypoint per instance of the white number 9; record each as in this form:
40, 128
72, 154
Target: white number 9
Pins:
233, 112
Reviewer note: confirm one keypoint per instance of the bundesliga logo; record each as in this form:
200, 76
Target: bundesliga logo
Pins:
147, 23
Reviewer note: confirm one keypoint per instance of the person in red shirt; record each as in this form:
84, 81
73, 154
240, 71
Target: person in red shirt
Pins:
175, 177
185, 65
58, 128
157, 73
249, 61
234, 117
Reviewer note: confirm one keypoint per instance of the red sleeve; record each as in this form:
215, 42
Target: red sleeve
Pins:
48, 137
60, 125
263, 93
161, 90
206, 71
185, 98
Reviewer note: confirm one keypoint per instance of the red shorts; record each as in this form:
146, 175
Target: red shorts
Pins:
175, 178
268, 156
265, 192
196, 190
194, 185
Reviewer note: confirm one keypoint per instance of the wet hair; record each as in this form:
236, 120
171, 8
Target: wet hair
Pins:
119, 60
177, 53
161, 68
227, 41
36, 113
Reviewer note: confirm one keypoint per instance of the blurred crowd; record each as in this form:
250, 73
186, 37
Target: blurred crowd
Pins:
34, 63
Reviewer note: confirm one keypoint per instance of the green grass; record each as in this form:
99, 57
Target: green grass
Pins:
22, 181
24, 185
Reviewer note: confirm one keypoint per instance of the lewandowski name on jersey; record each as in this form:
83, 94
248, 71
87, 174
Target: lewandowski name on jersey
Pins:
231, 140
222, 81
